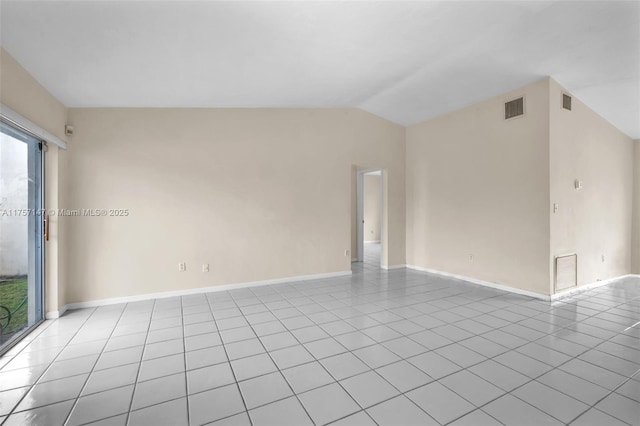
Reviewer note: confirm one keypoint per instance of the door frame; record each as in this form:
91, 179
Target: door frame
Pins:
360, 211
36, 252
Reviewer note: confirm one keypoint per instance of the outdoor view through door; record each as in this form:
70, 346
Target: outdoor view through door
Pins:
20, 234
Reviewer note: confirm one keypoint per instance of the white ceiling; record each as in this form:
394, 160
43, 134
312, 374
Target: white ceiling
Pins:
405, 61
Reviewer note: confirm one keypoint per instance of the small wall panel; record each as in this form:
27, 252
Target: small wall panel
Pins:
566, 272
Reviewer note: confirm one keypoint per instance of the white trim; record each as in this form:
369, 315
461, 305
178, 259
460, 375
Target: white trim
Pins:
360, 216
93, 303
200, 290
29, 126
483, 283
580, 289
545, 297
360, 209
372, 242
56, 314
387, 267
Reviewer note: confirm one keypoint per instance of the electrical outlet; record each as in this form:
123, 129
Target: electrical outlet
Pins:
577, 184
182, 266
205, 267
470, 258
555, 207
602, 258
346, 253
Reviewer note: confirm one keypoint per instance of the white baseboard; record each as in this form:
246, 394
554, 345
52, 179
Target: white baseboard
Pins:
200, 290
390, 267
115, 300
579, 289
55, 314
483, 283
52, 315
372, 242
546, 297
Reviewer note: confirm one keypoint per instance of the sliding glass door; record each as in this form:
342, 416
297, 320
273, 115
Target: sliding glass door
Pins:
21, 214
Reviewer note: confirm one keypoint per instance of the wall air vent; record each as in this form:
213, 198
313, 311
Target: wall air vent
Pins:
566, 101
566, 271
514, 108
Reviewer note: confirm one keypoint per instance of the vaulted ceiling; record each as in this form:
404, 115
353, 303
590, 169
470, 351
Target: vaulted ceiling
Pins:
405, 61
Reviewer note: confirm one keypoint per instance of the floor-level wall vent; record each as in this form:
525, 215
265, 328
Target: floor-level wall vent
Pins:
566, 272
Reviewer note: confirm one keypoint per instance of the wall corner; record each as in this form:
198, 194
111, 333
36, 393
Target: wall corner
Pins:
635, 238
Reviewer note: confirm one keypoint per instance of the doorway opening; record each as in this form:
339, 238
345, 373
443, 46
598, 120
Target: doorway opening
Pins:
21, 242
370, 217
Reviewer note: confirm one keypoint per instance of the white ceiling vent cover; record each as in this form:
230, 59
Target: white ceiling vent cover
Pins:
566, 272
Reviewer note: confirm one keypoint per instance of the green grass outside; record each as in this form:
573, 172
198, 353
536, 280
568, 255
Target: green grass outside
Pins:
12, 293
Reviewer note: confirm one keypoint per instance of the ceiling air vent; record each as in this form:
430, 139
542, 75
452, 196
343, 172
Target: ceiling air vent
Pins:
514, 108
566, 101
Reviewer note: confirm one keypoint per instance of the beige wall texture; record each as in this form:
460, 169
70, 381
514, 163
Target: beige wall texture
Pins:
255, 193
372, 207
22, 93
478, 185
270, 193
635, 251
595, 221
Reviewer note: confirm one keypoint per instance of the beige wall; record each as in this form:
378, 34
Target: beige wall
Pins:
635, 251
594, 221
22, 93
257, 194
238, 188
479, 185
372, 207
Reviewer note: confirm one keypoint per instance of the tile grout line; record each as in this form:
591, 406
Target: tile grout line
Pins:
26, 340
336, 381
593, 406
144, 347
534, 379
350, 351
557, 367
390, 310
226, 354
48, 367
496, 355
77, 400
276, 364
184, 360
406, 358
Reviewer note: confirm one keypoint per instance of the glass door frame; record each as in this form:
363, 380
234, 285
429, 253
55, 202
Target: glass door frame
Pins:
36, 147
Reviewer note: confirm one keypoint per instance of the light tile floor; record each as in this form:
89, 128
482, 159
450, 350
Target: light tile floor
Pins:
396, 347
